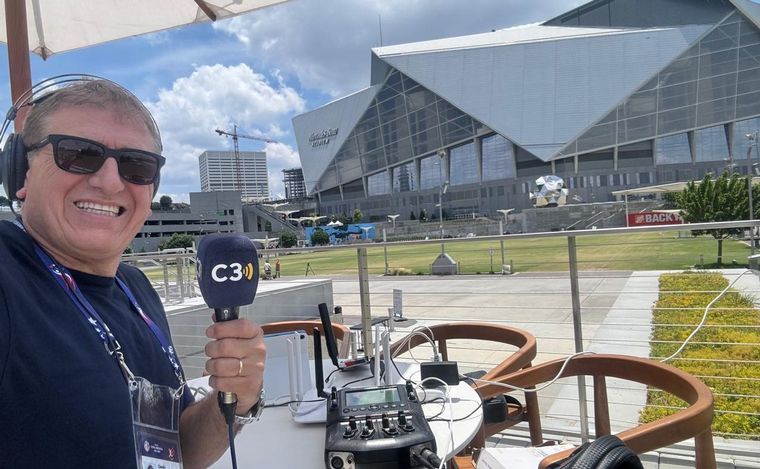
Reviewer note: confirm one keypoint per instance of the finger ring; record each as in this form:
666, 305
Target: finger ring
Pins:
240, 369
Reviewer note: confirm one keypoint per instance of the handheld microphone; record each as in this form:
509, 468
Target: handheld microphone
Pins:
228, 274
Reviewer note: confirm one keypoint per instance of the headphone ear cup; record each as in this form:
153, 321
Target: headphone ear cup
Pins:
13, 165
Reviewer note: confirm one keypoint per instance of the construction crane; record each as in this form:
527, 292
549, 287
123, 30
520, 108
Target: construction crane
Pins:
235, 136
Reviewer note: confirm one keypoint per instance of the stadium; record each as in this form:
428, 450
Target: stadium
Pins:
612, 95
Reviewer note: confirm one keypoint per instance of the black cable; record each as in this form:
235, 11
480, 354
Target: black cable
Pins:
442, 400
396, 366
228, 411
330, 375
357, 381
231, 434
426, 457
435, 419
283, 404
431, 457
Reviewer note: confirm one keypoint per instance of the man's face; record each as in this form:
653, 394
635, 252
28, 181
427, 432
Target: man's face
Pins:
86, 219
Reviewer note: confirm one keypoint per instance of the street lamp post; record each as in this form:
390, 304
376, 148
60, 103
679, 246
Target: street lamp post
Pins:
393, 219
505, 212
442, 186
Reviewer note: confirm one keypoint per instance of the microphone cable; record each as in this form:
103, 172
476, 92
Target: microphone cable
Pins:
228, 410
231, 434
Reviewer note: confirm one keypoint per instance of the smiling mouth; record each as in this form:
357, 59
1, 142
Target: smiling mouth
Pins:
100, 209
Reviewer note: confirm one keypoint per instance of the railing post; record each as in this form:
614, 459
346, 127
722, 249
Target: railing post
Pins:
385, 252
501, 245
180, 280
165, 268
361, 254
577, 332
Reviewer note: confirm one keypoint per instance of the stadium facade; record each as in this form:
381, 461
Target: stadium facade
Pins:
614, 94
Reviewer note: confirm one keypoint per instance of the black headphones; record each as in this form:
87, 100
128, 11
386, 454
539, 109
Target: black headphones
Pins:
13, 158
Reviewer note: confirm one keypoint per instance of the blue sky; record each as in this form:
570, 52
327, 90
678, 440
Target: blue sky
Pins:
260, 69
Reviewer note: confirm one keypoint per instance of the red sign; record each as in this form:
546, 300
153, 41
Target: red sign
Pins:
654, 218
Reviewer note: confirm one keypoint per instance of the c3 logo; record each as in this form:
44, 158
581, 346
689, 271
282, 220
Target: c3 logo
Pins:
238, 272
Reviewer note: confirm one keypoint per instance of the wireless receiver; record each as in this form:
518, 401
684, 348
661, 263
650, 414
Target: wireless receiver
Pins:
332, 344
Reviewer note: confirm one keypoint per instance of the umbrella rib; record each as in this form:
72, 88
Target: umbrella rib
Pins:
39, 29
205, 8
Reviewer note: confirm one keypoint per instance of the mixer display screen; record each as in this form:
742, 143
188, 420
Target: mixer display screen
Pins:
372, 396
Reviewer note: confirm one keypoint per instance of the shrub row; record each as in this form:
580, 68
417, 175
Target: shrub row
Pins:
723, 353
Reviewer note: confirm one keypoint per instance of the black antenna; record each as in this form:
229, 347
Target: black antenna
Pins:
332, 344
319, 376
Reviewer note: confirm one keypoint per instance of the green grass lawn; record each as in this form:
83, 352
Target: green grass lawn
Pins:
642, 251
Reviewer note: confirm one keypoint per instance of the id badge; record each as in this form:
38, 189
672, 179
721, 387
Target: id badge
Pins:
155, 422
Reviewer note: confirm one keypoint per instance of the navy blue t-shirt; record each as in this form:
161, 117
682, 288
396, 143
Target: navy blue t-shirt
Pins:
63, 400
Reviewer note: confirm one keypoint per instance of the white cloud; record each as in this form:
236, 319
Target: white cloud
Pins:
216, 96
328, 48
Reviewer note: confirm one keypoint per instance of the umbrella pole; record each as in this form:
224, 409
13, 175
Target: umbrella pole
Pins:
18, 54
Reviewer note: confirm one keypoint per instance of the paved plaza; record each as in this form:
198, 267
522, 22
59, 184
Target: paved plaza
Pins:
616, 317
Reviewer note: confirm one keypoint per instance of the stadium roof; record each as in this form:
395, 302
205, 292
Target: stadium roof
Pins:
532, 84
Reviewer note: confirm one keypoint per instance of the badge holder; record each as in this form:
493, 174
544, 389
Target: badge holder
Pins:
155, 421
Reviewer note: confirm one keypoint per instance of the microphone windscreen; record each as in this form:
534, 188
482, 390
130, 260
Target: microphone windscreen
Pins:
228, 270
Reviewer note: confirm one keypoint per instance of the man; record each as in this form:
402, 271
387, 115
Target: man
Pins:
267, 270
64, 399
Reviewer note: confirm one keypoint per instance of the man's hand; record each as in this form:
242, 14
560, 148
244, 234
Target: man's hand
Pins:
236, 360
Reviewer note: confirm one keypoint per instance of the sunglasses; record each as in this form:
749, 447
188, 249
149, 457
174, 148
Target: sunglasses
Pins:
82, 156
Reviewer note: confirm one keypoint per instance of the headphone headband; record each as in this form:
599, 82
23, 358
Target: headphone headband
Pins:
13, 158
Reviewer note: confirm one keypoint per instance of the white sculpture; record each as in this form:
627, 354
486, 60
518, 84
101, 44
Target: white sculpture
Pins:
551, 192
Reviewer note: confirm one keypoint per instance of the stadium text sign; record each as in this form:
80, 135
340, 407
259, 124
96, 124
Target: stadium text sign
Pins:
654, 218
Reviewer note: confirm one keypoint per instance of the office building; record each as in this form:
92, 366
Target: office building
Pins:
220, 171
294, 185
208, 212
610, 95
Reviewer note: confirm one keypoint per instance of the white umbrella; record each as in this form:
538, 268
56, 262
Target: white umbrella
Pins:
47, 27
335, 223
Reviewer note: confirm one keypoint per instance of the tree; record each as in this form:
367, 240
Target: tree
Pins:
320, 238
358, 216
722, 199
288, 239
4, 201
343, 218
177, 241
411, 215
423, 215
166, 202
155, 206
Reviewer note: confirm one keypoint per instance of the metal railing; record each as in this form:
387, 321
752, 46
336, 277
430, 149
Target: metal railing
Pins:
574, 290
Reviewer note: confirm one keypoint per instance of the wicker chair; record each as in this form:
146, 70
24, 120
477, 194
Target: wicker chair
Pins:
520, 359
692, 421
342, 333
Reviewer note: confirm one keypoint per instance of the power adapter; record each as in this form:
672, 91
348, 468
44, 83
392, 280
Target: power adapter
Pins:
448, 372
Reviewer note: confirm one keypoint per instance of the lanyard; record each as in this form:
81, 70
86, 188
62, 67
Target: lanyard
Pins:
66, 281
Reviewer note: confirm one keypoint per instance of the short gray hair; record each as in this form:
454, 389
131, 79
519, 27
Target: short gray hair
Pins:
87, 92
